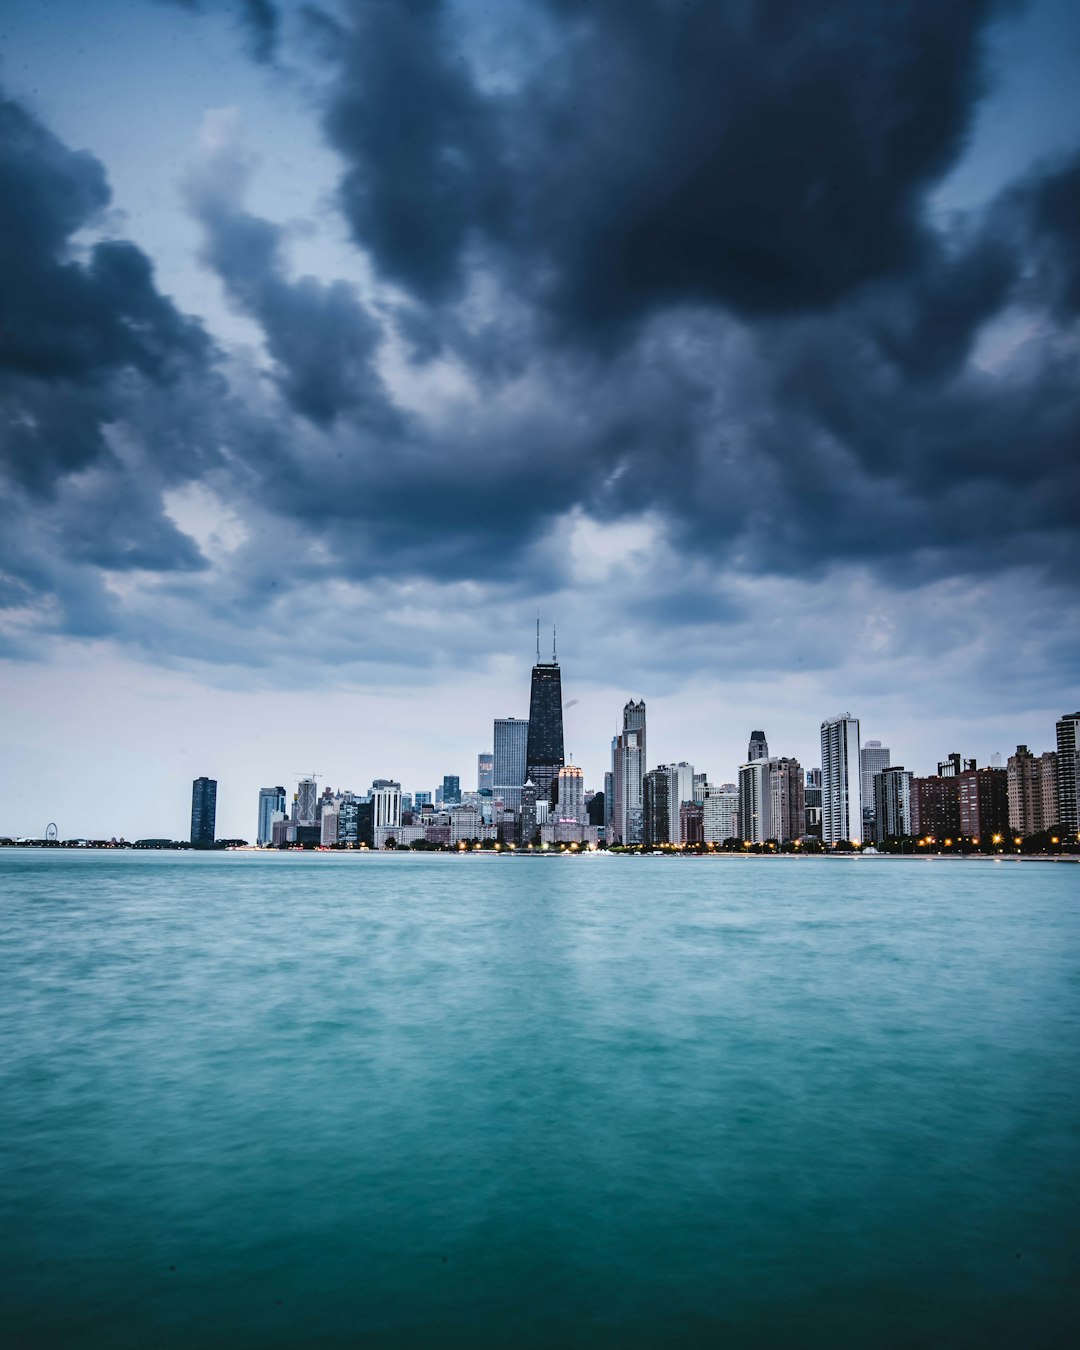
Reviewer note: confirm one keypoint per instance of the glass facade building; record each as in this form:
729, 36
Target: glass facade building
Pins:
203, 812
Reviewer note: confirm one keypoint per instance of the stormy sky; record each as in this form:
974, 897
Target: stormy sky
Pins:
739, 337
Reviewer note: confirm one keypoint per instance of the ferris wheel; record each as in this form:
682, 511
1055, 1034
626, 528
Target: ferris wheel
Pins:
52, 834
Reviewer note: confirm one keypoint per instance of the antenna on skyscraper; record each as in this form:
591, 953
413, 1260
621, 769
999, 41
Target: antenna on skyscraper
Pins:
537, 634
554, 658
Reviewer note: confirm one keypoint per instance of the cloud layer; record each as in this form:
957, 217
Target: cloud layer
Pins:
650, 317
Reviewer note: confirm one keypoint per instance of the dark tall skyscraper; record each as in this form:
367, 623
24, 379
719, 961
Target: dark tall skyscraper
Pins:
758, 747
544, 750
203, 812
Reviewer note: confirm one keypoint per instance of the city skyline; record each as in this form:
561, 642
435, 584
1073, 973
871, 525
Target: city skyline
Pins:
328, 361
508, 738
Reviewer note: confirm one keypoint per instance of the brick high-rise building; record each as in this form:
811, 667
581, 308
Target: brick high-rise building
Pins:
1032, 781
935, 806
984, 803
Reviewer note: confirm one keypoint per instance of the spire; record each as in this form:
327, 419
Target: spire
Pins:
554, 658
537, 634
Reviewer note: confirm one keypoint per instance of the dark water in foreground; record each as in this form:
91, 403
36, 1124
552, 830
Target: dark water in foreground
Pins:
378, 1101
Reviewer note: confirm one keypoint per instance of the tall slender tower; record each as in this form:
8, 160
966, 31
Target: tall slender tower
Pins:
544, 750
841, 780
628, 777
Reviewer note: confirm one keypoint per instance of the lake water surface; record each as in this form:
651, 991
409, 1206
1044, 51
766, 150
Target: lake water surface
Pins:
278, 1100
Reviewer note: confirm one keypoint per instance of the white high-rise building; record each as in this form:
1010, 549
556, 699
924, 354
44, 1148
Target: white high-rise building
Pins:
306, 798
721, 813
681, 778
628, 777
385, 804
755, 801
841, 780
873, 759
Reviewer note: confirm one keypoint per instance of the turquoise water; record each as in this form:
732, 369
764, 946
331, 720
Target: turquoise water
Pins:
325, 1101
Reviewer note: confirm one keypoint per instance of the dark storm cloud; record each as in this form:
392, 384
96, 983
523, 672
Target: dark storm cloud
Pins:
70, 325
667, 264
769, 157
321, 336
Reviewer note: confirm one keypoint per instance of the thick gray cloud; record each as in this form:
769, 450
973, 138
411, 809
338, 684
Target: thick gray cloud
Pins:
769, 156
646, 263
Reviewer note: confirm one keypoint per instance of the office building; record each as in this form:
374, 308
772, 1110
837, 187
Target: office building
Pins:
271, 804
984, 802
680, 791
787, 792
386, 804
1068, 774
841, 780
203, 812
306, 797
571, 795
1032, 783
812, 813
656, 807
451, 790
627, 777
544, 746
892, 803
530, 817
720, 813
935, 806
758, 748
509, 760
873, 757
485, 772
692, 823
755, 802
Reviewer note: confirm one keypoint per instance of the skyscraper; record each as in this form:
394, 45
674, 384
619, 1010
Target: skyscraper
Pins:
1068, 773
271, 802
892, 803
758, 748
451, 789
544, 747
788, 799
681, 790
511, 746
656, 813
485, 772
529, 822
721, 813
755, 801
627, 776
306, 797
841, 780
203, 812
385, 804
571, 808
873, 757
